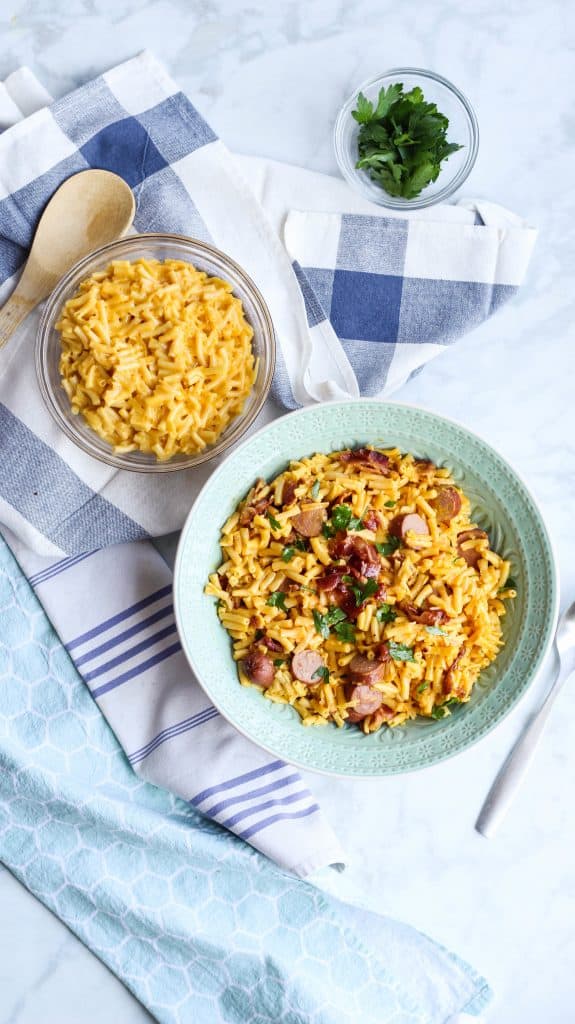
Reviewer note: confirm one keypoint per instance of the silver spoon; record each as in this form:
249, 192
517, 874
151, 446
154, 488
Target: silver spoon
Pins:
514, 769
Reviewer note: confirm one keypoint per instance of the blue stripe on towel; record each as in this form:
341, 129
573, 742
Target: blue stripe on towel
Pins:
172, 731
126, 635
130, 653
262, 791
45, 491
253, 829
136, 671
273, 766
120, 617
59, 567
248, 812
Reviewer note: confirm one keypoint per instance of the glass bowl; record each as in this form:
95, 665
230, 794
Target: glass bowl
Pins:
153, 246
463, 128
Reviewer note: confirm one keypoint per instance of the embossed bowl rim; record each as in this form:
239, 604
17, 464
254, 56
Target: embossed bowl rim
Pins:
531, 672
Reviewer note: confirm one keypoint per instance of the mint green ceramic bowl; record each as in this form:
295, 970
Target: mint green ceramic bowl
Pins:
501, 504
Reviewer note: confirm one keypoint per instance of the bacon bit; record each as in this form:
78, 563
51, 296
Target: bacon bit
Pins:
367, 456
332, 579
288, 491
448, 679
224, 581
382, 653
272, 645
343, 499
427, 617
371, 520
383, 714
256, 508
381, 593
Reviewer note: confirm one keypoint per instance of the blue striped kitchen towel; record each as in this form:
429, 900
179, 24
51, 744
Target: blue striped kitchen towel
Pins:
199, 927
359, 299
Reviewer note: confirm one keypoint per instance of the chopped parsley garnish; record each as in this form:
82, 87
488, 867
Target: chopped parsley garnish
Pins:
389, 546
274, 523
345, 632
389, 504
321, 673
436, 631
327, 531
361, 590
289, 551
342, 518
510, 584
323, 623
422, 687
400, 652
441, 712
279, 661
402, 140
277, 600
385, 613
315, 491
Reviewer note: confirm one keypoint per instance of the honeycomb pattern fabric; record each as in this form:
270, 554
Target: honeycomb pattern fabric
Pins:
199, 926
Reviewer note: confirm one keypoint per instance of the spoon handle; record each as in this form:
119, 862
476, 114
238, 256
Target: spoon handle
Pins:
13, 312
514, 768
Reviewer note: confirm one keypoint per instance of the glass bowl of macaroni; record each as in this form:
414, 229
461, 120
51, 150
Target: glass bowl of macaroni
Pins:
161, 247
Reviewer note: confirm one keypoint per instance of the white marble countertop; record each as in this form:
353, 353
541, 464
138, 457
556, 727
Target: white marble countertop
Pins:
270, 77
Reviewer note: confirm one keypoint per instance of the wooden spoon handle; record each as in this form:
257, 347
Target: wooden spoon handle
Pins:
13, 312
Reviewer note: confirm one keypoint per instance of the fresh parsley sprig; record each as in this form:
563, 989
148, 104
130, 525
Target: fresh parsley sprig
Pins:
402, 140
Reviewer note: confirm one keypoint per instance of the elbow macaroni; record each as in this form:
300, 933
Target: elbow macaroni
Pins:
156, 356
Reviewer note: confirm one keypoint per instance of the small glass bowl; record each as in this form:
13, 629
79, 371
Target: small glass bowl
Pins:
463, 128
153, 246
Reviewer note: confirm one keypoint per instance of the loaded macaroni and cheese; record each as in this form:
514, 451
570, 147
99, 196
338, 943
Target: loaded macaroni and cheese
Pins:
356, 588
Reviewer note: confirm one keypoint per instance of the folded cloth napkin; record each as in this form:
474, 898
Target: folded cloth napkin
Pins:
377, 295
200, 927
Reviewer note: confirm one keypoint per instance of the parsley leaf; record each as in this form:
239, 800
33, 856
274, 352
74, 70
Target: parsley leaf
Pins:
422, 687
390, 504
342, 518
274, 523
385, 613
389, 546
327, 531
400, 652
345, 632
322, 673
288, 553
277, 600
436, 631
441, 712
323, 623
402, 140
362, 591
279, 661
320, 624
510, 584
315, 491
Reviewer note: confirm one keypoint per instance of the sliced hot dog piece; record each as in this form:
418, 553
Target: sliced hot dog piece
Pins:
259, 668
401, 525
305, 665
471, 555
366, 670
365, 699
447, 504
309, 524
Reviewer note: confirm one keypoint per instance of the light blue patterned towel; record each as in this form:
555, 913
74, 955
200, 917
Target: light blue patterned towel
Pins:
201, 928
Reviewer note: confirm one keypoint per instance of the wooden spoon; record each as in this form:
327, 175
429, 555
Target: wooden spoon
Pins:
88, 210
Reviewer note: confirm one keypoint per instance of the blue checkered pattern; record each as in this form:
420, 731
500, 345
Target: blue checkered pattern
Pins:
375, 306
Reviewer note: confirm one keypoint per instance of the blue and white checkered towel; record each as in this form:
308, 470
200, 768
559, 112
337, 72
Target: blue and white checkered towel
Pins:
359, 300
